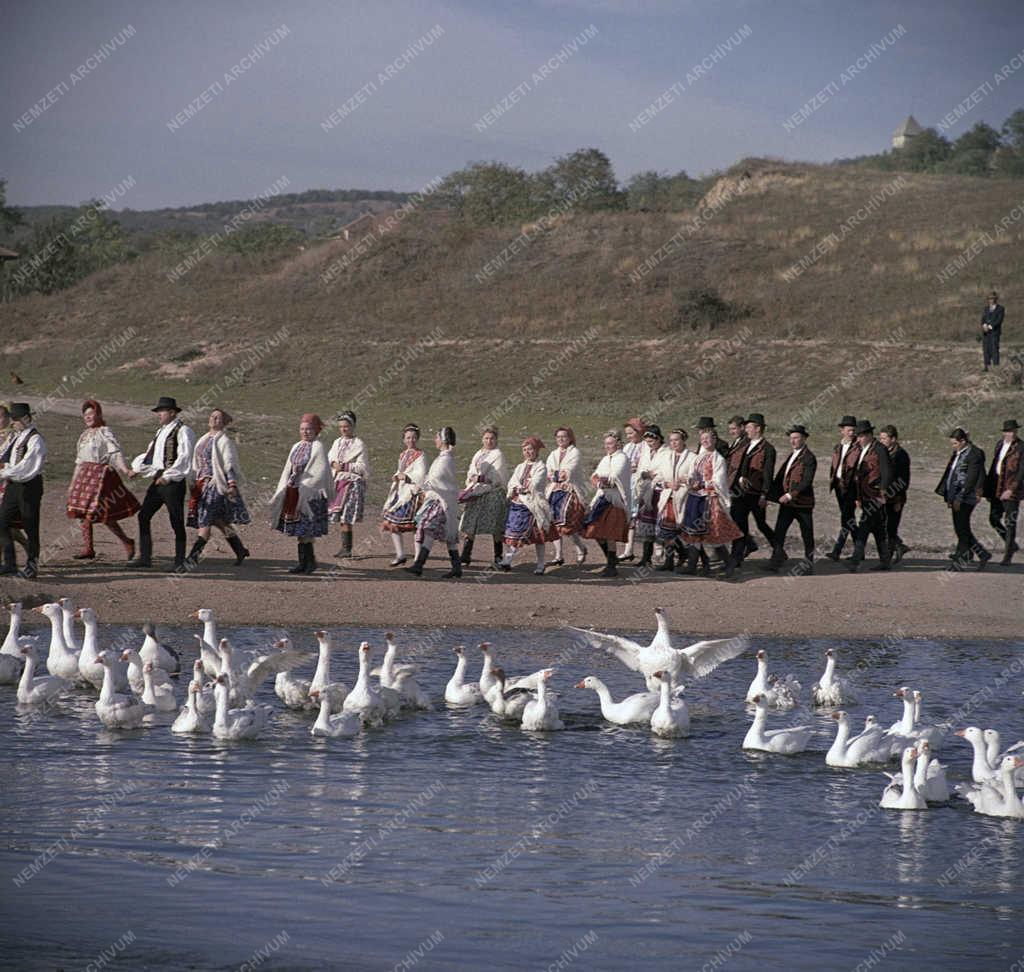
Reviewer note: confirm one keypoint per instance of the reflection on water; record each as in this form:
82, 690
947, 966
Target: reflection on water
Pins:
510, 845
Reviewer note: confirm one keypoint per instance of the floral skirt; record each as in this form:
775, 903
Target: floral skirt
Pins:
98, 495
668, 529
401, 519
294, 524
605, 521
207, 505
721, 528
567, 512
485, 515
349, 498
432, 522
521, 527
646, 525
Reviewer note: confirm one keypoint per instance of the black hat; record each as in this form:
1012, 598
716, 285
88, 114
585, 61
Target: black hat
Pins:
653, 432
757, 418
705, 422
165, 404
20, 410
864, 427
798, 428
849, 420
1010, 425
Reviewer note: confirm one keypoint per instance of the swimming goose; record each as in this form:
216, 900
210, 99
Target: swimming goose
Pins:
995, 755
341, 726
38, 691
901, 794
367, 698
208, 641
290, 688
458, 691
161, 655
322, 679
67, 622
682, 664
136, 681
541, 713
936, 735
234, 724
672, 717
987, 762
246, 673
775, 692
205, 701
11, 659
401, 677
787, 742
870, 746
633, 709
487, 680
506, 703
160, 697
930, 775
997, 797
191, 719
901, 733
60, 661
118, 710
89, 666
832, 689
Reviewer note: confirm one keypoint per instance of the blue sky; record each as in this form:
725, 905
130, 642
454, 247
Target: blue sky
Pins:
419, 124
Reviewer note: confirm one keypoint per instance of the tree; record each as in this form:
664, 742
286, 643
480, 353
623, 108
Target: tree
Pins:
923, 151
1013, 130
588, 173
487, 193
9, 216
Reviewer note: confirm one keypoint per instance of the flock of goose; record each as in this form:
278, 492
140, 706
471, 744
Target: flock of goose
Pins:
135, 683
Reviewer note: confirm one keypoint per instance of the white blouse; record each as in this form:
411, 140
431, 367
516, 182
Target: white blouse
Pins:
100, 445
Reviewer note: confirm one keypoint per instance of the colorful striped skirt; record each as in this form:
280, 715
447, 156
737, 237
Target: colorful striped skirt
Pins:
668, 529
98, 495
647, 517
606, 521
521, 527
348, 502
567, 512
720, 527
401, 519
304, 527
208, 506
485, 515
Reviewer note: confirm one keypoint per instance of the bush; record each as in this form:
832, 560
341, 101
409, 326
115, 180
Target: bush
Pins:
704, 308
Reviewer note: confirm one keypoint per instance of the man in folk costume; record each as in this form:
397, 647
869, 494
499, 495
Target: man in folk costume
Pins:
736, 447
899, 459
754, 474
793, 490
872, 478
840, 481
1004, 488
607, 521
961, 486
21, 471
567, 493
646, 491
167, 462
673, 477
8, 433
991, 329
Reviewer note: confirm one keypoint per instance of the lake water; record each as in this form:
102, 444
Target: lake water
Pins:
447, 841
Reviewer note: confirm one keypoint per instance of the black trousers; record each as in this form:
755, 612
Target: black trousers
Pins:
990, 347
893, 515
171, 495
743, 507
1003, 515
965, 538
872, 523
21, 501
846, 502
805, 519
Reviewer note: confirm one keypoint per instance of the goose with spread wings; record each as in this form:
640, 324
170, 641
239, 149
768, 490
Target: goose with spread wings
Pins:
694, 661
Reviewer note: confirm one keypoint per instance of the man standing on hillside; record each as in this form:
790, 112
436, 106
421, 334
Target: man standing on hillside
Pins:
840, 480
1004, 487
961, 486
991, 330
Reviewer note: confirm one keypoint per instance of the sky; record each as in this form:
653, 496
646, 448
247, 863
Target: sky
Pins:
268, 117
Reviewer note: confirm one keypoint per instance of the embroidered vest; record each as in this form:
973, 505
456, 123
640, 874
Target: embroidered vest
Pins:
22, 447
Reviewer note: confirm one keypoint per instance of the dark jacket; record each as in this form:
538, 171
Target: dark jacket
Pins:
1011, 476
755, 471
969, 478
851, 460
798, 482
873, 474
993, 318
900, 463
733, 458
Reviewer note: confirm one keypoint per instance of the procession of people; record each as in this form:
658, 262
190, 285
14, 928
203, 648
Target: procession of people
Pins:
691, 509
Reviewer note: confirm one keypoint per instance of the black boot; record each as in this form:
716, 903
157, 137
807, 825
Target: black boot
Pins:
241, 552
688, 561
10, 566
311, 564
498, 552
346, 545
670, 558
724, 554
416, 567
467, 552
145, 557
648, 553
453, 556
611, 559
192, 560
300, 567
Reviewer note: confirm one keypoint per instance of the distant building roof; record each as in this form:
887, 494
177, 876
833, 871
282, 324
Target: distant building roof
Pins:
909, 127
6, 254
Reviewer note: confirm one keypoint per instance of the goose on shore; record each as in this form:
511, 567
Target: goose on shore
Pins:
786, 742
631, 710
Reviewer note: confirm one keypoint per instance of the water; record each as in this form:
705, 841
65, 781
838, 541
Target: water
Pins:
445, 841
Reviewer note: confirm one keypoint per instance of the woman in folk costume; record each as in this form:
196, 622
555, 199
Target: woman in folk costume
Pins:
567, 493
438, 515
633, 448
607, 521
483, 499
706, 520
404, 497
8, 433
529, 516
96, 493
350, 467
215, 500
299, 506
673, 477
646, 493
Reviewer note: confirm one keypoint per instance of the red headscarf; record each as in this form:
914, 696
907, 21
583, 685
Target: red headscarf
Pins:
535, 442
96, 407
637, 424
313, 419
567, 429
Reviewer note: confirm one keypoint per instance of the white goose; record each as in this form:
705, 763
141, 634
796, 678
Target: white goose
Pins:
323, 682
89, 665
672, 717
161, 655
458, 691
60, 661
870, 746
246, 673
136, 681
401, 678
786, 742
38, 691
901, 733
341, 726
995, 754
290, 688
682, 664
832, 689
901, 794
633, 709
367, 699
117, 710
67, 621
161, 697
506, 703
234, 724
541, 713
191, 719
11, 659
208, 641
936, 735
487, 678
930, 775
775, 692
997, 797
987, 761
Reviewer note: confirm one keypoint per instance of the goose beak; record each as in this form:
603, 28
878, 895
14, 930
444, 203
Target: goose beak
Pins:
38, 610
78, 614
578, 684
837, 715
960, 732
